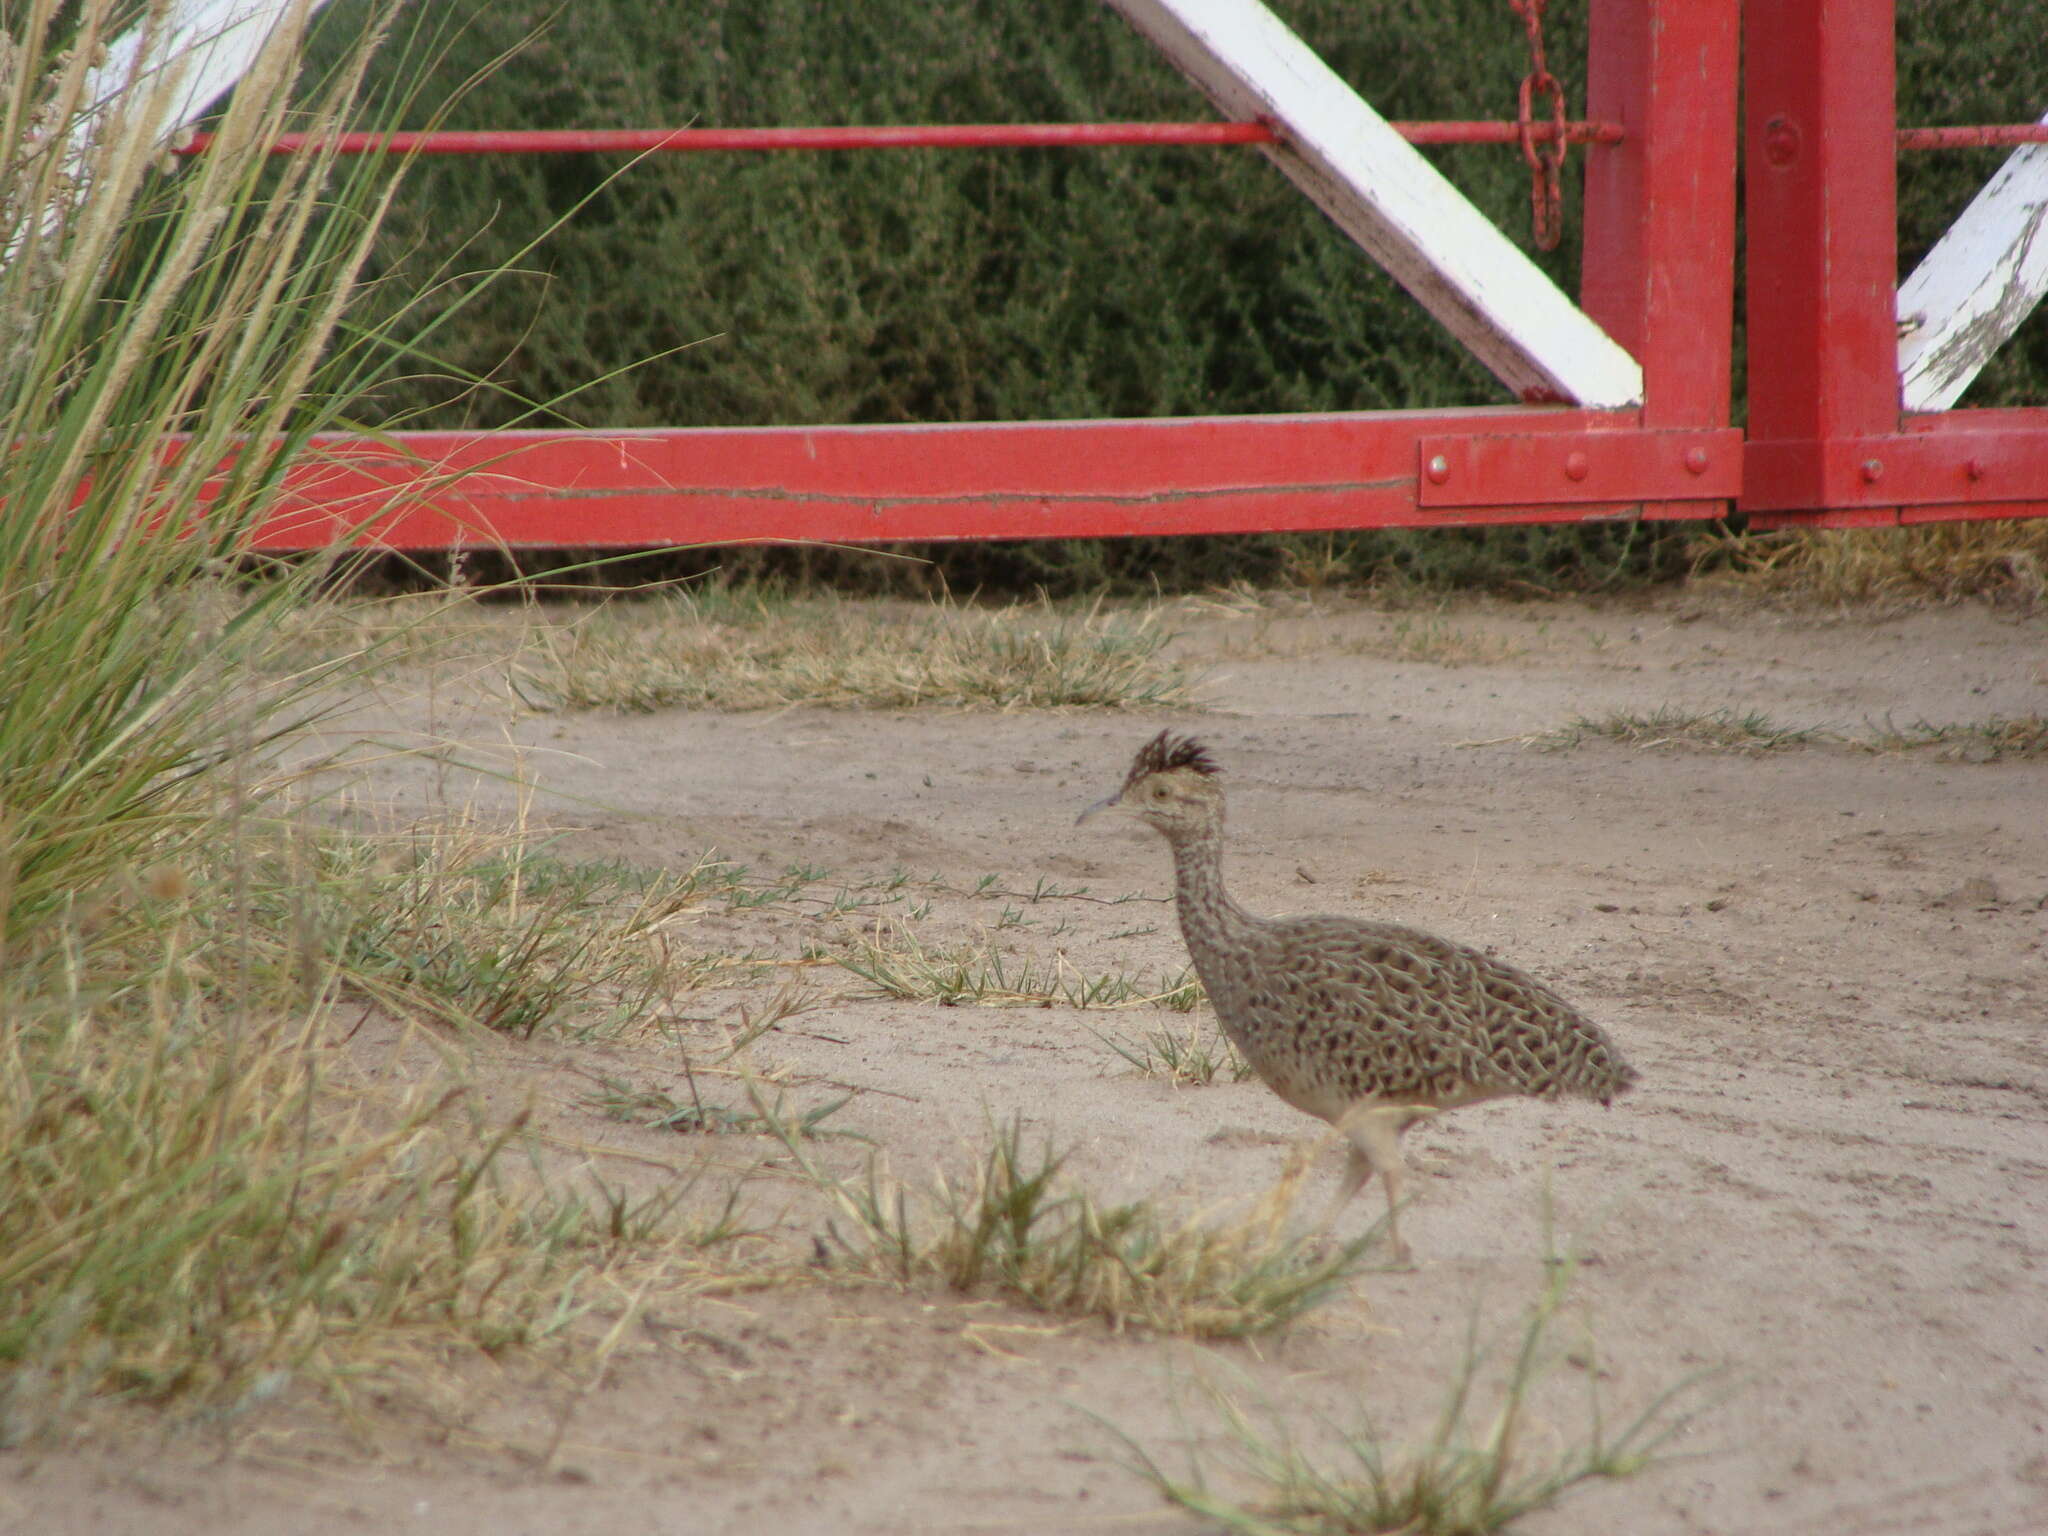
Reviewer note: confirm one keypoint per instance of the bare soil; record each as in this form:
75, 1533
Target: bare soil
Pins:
1829, 964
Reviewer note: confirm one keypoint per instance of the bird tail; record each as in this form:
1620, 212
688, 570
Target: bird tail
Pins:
1625, 1078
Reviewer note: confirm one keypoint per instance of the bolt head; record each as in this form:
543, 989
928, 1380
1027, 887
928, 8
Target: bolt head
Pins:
1696, 461
1439, 469
1872, 470
1781, 141
1576, 465
1976, 469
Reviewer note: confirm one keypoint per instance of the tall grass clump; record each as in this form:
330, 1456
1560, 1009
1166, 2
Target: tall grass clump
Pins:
205, 1198
166, 350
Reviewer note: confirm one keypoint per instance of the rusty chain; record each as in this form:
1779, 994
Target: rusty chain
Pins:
1546, 160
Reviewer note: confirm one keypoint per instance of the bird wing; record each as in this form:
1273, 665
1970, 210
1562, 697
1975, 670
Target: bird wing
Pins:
1431, 1015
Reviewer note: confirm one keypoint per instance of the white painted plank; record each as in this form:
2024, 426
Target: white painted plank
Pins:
208, 44
1978, 285
200, 48
1386, 196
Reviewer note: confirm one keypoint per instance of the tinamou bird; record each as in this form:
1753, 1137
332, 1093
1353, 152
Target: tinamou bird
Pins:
1370, 1026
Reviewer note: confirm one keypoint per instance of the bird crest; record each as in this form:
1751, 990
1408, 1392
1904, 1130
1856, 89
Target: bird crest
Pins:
1165, 752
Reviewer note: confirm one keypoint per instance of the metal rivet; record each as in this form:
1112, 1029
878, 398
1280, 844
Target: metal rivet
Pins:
1781, 141
1873, 470
1696, 460
1439, 469
1975, 469
1576, 465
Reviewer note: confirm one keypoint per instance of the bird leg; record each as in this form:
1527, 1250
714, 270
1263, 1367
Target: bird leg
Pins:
1374, 1131
1357, 1169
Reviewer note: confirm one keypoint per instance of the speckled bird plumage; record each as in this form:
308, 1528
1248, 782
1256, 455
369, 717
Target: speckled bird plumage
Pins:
1371, 1026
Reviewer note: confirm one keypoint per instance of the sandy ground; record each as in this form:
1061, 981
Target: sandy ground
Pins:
1830, 965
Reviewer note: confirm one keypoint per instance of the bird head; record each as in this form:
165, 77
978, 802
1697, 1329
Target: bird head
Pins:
1171, 787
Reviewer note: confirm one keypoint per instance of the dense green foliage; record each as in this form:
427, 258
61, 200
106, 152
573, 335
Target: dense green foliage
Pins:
1004, 285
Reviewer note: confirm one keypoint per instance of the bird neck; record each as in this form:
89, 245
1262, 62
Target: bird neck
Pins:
1206, 910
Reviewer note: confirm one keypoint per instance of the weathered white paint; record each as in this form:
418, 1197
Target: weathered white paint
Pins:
1392, 201
1978, 285
197, 52
205, 46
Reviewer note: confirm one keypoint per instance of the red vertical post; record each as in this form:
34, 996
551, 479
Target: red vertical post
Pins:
1820, 170
1659, 271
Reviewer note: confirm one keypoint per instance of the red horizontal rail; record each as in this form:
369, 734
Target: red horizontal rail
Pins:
1014, 480
558, 141
1981, 136
635, 141
656, 487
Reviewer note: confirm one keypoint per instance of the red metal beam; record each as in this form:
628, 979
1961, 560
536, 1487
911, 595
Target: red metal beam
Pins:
1952, 460
1659, 263
1823, 242
1492, 468
632, 141
1829, 444
1006, 136
1024, 480
566, 141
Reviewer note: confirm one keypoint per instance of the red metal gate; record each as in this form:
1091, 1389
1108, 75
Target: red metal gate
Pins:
1828, 440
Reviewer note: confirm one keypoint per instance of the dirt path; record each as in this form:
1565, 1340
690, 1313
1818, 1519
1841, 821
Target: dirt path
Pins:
1830, 965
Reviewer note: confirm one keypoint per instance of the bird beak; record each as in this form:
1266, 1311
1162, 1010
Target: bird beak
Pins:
1101, 805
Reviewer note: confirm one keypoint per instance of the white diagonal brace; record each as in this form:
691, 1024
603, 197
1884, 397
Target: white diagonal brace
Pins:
1383, 194
1978, 285
196, 51
206, 45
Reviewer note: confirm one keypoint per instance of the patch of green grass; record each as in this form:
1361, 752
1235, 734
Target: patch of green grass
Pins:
895, 963
1975, 741
1194, 1058
1476, 1472
1714, 730
662, 1111
725, 648
463, 924
1020, 1229
207, 1201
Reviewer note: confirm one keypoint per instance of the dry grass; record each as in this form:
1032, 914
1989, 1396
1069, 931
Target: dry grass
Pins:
749, 648
1938, 562
1435, 641
371, 636
472, 926
1020, 1229
1475, 1473
1974, 741
1715, 730
1723, 730
206, 1200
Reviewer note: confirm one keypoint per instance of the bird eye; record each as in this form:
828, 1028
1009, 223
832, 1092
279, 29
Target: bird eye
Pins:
1157, 791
